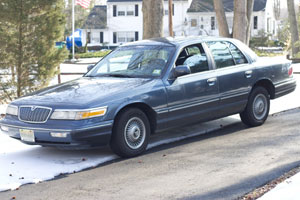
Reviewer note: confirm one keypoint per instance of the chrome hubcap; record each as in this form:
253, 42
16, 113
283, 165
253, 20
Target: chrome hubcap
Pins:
135, 133
260, 106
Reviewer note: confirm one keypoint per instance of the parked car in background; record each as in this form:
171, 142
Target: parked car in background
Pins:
148, 86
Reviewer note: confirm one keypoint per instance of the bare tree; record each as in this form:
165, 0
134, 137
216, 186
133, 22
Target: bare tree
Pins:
153, 13
250, 5
243, 10
293, 26
221, 18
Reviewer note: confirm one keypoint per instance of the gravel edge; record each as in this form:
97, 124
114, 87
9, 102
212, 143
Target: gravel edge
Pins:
258, 192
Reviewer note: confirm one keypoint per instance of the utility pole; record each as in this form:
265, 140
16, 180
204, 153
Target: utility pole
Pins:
171, 18
73, 30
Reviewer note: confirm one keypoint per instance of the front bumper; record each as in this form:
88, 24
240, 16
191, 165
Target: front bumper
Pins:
78, 138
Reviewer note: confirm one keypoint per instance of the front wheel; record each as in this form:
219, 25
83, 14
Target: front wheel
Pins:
257, 109
130, 133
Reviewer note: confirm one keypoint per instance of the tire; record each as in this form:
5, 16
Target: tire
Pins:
257, 109
131, 133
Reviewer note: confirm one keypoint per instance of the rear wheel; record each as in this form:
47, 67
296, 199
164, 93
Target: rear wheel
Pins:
257, 110
130, 133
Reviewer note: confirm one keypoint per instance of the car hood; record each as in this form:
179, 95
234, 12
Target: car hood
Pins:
84, 91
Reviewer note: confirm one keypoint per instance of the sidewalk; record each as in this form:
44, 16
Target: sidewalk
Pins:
287, 190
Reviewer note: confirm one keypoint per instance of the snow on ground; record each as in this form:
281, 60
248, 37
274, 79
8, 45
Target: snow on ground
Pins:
287, 190
21, 164
2, 108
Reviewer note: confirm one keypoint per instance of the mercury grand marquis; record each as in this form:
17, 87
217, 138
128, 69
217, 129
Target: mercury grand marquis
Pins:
148, 86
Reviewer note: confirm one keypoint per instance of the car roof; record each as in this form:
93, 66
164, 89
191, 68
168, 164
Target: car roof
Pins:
175, 41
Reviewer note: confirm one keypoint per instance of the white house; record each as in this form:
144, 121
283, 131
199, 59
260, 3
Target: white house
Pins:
124, 22
202, 18
121, 21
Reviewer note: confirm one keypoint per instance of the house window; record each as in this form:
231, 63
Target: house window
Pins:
88, 37
194, 23
123, 37
136, 36
173, 11
130, 11
121, 13
201, 19
213, 23
101, 37
114, 37
255, 22
269, 25
201, 26
136, 10
130, 36
114, 10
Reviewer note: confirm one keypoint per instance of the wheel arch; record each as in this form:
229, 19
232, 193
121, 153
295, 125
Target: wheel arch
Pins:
149, 112
268, 85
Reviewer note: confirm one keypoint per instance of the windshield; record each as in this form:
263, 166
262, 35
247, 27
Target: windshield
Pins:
134, 61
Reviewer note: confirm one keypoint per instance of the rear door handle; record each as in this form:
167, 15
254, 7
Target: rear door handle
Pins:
248, 74
211, 81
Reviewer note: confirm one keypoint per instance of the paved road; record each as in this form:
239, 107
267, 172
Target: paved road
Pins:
224, 164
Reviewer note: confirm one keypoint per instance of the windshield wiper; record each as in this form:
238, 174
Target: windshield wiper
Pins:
118, 75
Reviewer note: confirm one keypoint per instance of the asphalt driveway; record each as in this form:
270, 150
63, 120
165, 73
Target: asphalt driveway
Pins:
224, 164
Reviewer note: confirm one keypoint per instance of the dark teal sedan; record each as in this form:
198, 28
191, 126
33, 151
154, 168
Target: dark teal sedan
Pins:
148, 86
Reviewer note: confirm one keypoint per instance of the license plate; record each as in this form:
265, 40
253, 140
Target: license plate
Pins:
27, 135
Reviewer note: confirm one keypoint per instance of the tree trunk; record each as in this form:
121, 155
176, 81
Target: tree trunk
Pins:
171, 18
240, 20
250, 4
293, 26
153, 13
221, 18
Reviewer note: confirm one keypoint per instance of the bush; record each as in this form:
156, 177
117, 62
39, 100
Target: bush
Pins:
96, 54
265, 53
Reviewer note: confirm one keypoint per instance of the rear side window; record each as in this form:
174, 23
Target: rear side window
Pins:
194, 57
238, 56
221, 54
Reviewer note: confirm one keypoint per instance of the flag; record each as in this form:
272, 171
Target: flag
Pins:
83, 3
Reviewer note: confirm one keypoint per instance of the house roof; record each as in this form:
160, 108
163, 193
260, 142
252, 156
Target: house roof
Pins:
122, 0
135, 0
97, 18
208, 6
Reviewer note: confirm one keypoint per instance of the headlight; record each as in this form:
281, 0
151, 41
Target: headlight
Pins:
12, 110
78, 114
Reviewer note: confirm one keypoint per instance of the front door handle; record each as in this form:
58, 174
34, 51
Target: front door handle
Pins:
248, 74
211, 81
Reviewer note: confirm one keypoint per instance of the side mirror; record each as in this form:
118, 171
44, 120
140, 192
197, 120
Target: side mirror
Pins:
181, 70
90, 67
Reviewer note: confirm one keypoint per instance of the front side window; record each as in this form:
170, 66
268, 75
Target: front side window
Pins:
221, 54
194, 57
134, 61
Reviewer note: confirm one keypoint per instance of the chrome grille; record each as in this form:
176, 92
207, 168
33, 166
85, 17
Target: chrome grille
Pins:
34, 114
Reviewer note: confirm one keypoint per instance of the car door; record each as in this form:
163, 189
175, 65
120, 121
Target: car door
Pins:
192, 97
234, 76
